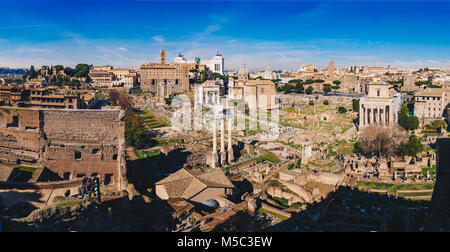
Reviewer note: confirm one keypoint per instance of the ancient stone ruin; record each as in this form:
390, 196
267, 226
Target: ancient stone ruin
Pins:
67, 144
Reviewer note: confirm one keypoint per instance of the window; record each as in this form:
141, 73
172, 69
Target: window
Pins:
66, 176
108, 179
15, 122
77, 155
378, 93
262, 90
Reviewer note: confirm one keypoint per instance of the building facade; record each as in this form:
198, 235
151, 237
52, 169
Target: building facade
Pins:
164, 79
255, 93
42, 98
377, 107
215, 65
209, 93
108, 76
431, 103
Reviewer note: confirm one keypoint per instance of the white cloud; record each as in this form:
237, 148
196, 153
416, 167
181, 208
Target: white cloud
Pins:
159, 39
74, 48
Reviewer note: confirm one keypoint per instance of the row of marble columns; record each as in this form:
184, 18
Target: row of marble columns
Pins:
207, 97
376, 115
212, 98
223, 152
163, 90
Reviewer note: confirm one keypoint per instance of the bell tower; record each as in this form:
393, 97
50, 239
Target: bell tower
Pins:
162, 55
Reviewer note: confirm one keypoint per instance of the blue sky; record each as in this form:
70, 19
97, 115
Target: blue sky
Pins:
279, 34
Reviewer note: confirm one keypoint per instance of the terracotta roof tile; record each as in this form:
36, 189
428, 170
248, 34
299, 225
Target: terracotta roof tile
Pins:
186, 184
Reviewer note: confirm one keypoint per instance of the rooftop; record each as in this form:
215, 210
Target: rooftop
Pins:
437, 92
260, 82
186, 184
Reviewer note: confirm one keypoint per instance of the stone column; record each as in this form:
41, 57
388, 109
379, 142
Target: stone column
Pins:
391, 115
361, 117
223, 154
230, 144
214, 152
364, 116
375, 113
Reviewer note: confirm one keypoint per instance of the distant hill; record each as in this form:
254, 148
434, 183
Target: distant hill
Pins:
7, 70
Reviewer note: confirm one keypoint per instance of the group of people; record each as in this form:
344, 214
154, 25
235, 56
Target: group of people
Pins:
90, 188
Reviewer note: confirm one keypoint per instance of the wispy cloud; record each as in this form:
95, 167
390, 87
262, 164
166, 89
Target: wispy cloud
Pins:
25, 26
159, 39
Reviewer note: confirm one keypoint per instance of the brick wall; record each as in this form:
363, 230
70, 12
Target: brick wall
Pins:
70, 143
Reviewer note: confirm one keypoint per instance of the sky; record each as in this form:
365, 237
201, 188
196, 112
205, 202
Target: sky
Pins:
275, 34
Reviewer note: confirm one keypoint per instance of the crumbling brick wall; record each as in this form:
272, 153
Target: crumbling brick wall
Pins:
70, 143
19, 136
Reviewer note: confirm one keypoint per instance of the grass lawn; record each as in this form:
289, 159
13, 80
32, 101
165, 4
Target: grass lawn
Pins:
345, 148
146, 154
366, 185
431, 170
164, 142
264, 211
69, 202
151, 120
282, 201
31, 170
325, 165
291, 144
268, 157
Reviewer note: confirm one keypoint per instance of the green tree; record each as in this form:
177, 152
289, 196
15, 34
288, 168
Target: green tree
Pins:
69, 71
337, 82
58, 68
136, 133
82, 70
355, 105
217, 76
437, 125
413, 147
309, 90
404, 110
327, 89
299, 88
342, 110
32, 74
326, 102
406, 121
294, 81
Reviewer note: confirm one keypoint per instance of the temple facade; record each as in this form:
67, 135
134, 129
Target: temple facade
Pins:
378, 106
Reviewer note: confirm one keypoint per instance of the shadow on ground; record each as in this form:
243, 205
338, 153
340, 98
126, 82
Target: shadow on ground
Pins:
345, 210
